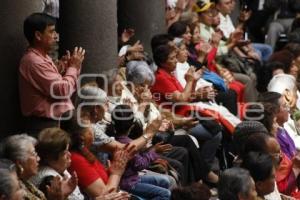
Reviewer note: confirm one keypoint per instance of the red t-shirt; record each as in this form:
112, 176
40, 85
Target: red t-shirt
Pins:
87, 172
165, 85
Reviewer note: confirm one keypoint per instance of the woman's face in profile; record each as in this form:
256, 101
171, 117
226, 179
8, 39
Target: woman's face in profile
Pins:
64, 159
267, 186
171, 62
31, 165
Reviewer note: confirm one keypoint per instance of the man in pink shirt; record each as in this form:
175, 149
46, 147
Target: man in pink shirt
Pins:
45, 90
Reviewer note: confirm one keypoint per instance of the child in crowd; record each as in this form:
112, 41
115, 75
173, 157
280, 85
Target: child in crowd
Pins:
146, 186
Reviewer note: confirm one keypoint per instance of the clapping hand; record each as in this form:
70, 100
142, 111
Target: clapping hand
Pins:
119, 162
162, 148
127, 34
192, 74
75, 59
69, 184
112, 195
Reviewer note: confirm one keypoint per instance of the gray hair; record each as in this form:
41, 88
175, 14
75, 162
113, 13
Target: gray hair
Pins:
15, 147
91, 94
234, 181
138, 72
6, 183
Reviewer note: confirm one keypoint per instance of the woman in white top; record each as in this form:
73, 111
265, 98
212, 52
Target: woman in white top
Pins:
53, 149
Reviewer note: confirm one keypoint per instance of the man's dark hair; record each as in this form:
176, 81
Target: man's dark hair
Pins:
274, 65
256, 142
122, 119
270, 97
284, 56
36, 22
269, 112
160, 39
260, 165
177, 29
161, 53
243, 131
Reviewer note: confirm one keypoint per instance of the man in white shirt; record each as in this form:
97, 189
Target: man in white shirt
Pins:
226, 7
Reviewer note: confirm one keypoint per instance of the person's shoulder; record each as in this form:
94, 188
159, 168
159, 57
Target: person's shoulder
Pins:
43, 172
31, 58
77, 157
31, 54
160, 74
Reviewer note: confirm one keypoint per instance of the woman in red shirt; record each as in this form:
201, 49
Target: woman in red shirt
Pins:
169, 93
93, 178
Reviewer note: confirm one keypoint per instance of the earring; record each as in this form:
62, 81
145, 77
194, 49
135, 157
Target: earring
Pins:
20, 169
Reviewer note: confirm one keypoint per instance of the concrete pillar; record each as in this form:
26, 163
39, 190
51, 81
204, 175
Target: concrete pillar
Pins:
145, 16
91, 24
12, 46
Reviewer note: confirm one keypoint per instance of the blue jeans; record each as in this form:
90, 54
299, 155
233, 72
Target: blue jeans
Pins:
209, 142
263, 50
152, 187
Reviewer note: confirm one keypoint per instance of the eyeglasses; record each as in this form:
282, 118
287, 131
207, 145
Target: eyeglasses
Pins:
33, 153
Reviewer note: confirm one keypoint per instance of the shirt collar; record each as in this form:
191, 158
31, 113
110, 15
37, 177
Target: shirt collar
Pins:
46, 58
164, 72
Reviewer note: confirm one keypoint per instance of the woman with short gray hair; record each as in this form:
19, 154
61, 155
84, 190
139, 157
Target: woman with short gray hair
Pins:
236, 184
16, 146
139, 72
93, 105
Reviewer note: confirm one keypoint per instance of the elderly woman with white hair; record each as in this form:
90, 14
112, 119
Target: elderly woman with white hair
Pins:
285, 85
141, 77
92, 104
21, 150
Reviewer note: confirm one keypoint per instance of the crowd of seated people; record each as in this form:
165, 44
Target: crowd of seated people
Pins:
211, 114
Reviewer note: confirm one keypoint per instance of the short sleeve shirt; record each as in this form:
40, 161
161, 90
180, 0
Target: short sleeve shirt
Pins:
166, 84
87, 172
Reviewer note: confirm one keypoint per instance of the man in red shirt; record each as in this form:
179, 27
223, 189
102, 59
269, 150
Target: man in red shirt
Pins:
44, 91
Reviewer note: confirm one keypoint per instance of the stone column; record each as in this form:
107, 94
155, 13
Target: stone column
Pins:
12, 46
145, 16
91, 24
